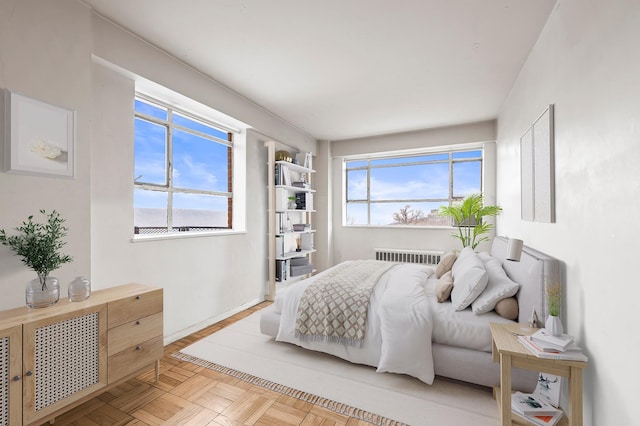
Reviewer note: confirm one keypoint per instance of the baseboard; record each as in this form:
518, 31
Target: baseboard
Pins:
209, 321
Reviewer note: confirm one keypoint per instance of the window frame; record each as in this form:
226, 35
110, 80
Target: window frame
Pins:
171, 231
368, 158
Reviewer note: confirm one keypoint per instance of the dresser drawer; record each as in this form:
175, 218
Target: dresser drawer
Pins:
130, 334
134, 358
134, 307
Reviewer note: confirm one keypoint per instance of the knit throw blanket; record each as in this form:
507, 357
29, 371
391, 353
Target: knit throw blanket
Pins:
334, 307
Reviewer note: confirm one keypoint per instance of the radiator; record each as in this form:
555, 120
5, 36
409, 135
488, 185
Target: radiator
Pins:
427, 257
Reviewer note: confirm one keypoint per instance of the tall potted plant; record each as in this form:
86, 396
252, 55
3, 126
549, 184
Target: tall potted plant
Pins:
467, 217
39, 244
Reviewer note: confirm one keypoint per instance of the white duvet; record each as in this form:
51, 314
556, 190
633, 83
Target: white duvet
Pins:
399, 324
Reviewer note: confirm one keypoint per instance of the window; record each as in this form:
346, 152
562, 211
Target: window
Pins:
182, 171
408, 190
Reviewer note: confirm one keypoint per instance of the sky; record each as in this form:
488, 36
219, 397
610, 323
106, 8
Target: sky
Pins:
198, 162
402, 185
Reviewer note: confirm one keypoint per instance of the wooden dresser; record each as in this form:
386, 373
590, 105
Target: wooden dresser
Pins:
53, 359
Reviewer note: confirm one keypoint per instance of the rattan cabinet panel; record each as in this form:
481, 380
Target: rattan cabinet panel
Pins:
64, 359
10, 375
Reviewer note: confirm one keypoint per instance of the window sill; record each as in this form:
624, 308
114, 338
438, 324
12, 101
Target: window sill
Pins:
443, 228
182, 235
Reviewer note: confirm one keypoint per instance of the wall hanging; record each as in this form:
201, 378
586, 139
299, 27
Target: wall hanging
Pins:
39, 137
537, 170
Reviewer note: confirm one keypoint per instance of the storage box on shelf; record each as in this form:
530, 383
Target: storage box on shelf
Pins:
290, 204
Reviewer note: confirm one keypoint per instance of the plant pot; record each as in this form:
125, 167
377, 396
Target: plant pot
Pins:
553, 325
40, 295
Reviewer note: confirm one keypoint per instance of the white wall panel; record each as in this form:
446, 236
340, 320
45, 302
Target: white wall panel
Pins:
582, 64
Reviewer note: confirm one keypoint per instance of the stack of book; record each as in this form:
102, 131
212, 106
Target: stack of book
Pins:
535, 409
544, 345
282, 270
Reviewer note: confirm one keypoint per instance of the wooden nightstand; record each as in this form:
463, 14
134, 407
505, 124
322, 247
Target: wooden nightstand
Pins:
510, 353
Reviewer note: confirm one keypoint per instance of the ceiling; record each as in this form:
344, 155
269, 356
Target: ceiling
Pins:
339, 69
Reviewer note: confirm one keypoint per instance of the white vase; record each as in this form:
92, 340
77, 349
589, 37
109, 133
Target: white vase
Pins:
553, 325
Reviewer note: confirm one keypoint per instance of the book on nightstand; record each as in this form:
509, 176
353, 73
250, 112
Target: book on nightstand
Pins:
542, 406
531, 404
549, 342
534, 409
572, 353
548, 388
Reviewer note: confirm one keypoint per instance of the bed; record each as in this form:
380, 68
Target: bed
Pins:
444, 341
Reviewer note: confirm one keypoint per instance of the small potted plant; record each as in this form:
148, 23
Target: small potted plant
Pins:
292, 202
554, 298
39, 244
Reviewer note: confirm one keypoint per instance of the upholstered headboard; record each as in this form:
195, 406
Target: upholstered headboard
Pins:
530, 273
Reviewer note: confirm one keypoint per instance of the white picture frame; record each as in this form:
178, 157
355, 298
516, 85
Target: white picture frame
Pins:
308, 160
537, 170
40, 138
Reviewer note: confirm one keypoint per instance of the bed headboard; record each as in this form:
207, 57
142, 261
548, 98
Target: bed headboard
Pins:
530, 273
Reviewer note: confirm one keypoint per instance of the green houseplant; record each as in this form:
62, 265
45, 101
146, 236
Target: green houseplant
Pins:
39, 244
467, 217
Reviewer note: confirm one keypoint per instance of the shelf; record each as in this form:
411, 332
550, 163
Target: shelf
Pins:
295, 188
294, 254
295, 210
295, 167
282, 237
310, 231
519, 420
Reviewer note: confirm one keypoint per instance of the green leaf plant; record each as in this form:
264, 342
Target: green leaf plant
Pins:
39, 244
554, 298
467, 217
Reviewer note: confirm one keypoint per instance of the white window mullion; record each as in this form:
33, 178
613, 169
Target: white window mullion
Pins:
368, 192
170, 173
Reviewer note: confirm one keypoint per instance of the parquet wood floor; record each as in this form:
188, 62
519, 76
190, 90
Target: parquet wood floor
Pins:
187, 394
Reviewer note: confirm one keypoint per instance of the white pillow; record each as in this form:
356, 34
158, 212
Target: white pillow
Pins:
485, 256
499, 287
469, 279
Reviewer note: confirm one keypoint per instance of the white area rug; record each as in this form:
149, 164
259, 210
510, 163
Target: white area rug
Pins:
349, 388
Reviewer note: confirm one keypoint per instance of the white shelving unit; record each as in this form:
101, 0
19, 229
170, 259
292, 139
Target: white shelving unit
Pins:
287, 245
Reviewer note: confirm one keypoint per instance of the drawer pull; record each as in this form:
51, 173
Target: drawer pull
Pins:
138, 348
138, 322
16, 378
138, 297
29, 373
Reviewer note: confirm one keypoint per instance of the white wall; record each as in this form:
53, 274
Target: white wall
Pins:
359, 242
202, 277
46, 51
586, 62
323, 219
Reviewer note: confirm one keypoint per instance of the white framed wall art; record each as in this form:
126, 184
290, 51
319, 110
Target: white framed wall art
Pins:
39, 138
537, 168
